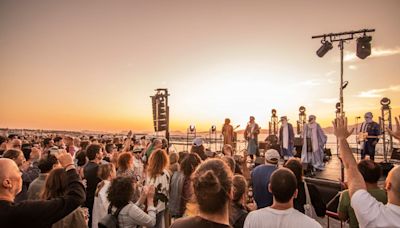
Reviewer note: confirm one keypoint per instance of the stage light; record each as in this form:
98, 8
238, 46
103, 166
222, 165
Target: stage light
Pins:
192, 128
364, 47
326, 46
213, 128
345, 83
385, 102
337, 107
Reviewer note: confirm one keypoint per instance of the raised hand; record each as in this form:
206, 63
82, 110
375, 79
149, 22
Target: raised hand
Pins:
340, 128
396, 133
65, 159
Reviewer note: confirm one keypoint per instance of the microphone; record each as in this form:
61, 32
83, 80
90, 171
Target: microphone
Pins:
358, 117
238, 126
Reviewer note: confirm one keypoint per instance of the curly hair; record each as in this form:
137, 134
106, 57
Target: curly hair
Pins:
121, 191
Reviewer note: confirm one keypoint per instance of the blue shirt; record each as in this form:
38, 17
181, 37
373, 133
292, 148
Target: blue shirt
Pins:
260, 178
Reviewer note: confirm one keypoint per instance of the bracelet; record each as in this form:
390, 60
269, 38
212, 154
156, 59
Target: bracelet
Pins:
67, 166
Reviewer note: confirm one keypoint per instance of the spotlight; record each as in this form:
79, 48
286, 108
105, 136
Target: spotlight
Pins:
326, 46
338, 106
192, 128
385, 102
364, 47
345, 83
213, 128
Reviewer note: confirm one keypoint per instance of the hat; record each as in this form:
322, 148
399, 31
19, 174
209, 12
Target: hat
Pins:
197, 142
272, 156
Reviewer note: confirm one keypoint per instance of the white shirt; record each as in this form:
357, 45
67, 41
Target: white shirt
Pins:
269, 217
372, 213
100, 205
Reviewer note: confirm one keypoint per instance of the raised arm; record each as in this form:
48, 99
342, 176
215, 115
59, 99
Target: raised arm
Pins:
396, 133
355, 179
47, 212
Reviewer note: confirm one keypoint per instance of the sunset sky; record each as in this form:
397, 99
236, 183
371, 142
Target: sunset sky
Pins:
92, 65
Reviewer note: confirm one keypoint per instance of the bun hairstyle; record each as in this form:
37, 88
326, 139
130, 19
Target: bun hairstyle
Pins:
212, 183
239, 187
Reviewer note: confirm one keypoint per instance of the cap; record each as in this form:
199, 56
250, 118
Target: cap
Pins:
197, 142
272, 156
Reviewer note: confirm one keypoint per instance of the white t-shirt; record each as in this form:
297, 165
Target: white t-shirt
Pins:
269, 217
100, 205
372, 213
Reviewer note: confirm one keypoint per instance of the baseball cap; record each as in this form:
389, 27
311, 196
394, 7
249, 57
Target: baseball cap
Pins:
197, 142
272, 156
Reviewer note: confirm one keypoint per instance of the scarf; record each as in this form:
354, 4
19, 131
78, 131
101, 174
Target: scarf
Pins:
252, 128
312, 132
285, 138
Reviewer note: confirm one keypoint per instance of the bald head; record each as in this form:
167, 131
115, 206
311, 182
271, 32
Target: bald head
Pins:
10, 179
393, 185
7, 167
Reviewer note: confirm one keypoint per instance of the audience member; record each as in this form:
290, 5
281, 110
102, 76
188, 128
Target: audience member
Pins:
158, 176
173, 163
369, 211
198, 148
316, 200
371, 173
41, 213
212, 184
29, 172
100, 206
281, 213
55, 187
95, 155
188, 166
131, 215
238, 210
37, 186
260, 179
125, 166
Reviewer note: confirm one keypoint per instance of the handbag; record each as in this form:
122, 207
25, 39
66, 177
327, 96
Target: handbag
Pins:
308, 207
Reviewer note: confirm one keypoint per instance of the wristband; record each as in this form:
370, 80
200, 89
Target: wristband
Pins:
69, 165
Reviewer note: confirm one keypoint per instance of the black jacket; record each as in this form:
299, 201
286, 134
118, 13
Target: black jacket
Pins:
43, 213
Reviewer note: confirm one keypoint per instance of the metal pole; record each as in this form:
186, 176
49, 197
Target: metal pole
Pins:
341, 43
356, 137
341, 46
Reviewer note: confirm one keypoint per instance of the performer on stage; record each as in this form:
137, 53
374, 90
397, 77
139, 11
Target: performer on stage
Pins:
251, 135
371, 130
286, 138
313, 144
227, 132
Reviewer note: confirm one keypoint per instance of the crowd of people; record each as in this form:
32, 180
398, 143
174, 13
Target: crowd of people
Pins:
65, 181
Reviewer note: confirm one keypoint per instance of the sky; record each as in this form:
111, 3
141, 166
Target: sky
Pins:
93, 65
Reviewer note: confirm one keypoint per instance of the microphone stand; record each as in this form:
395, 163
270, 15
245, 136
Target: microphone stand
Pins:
356, 136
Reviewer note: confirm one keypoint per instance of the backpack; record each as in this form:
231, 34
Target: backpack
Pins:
110, 220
